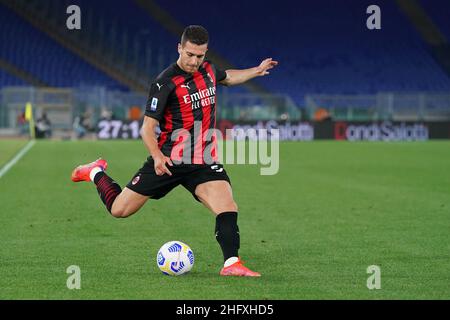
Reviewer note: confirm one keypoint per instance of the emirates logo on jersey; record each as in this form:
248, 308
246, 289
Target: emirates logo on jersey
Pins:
202, 98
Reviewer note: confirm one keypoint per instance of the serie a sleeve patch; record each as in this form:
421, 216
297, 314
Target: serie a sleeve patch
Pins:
154, 104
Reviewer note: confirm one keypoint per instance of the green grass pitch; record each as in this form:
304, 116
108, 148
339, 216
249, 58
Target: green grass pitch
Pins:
312, 230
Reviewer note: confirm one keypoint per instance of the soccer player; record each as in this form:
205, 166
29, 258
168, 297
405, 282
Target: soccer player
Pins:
182, 103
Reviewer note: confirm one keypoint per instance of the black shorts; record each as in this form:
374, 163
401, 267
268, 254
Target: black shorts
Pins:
148, 183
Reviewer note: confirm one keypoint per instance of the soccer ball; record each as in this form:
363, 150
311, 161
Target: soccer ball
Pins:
175, 258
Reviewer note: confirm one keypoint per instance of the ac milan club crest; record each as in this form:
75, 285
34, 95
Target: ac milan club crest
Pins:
135, 180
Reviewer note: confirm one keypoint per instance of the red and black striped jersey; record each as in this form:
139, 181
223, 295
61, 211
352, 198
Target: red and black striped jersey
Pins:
185, 106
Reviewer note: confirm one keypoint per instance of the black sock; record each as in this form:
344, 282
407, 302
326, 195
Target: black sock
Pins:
107, 188
227, 234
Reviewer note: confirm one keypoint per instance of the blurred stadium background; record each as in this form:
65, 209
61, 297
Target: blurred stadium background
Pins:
332, 67
312, 230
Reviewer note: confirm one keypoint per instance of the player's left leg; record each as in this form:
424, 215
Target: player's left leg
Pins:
127, 203
120, 203
218, 197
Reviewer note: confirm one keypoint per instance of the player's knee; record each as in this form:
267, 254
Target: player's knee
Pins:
229, 206
118, 212
234, 206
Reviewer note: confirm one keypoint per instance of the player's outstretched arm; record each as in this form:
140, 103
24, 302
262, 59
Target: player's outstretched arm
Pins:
235, 77
151, 142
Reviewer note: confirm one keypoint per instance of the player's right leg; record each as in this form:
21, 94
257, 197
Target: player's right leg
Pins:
120, 203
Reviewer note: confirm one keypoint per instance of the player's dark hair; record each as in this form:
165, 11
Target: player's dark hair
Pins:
195, 34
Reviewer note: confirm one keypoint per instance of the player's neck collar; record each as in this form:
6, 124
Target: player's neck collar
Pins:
179, 69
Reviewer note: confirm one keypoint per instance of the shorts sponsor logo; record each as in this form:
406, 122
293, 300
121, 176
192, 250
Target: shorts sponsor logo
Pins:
216, 168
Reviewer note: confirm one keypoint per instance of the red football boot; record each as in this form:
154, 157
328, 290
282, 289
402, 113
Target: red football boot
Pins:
81, 173
238, 269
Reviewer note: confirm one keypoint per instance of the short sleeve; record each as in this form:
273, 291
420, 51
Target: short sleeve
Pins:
157, 99
220, 75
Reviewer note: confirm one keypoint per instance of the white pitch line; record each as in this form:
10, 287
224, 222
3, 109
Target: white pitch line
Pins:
16, 159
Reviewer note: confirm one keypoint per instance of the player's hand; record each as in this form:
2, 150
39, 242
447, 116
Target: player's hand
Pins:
160, 165
265, 65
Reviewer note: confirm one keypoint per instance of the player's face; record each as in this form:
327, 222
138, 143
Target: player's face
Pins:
191, 56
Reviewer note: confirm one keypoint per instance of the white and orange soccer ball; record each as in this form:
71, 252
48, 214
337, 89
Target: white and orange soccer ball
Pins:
175, 258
